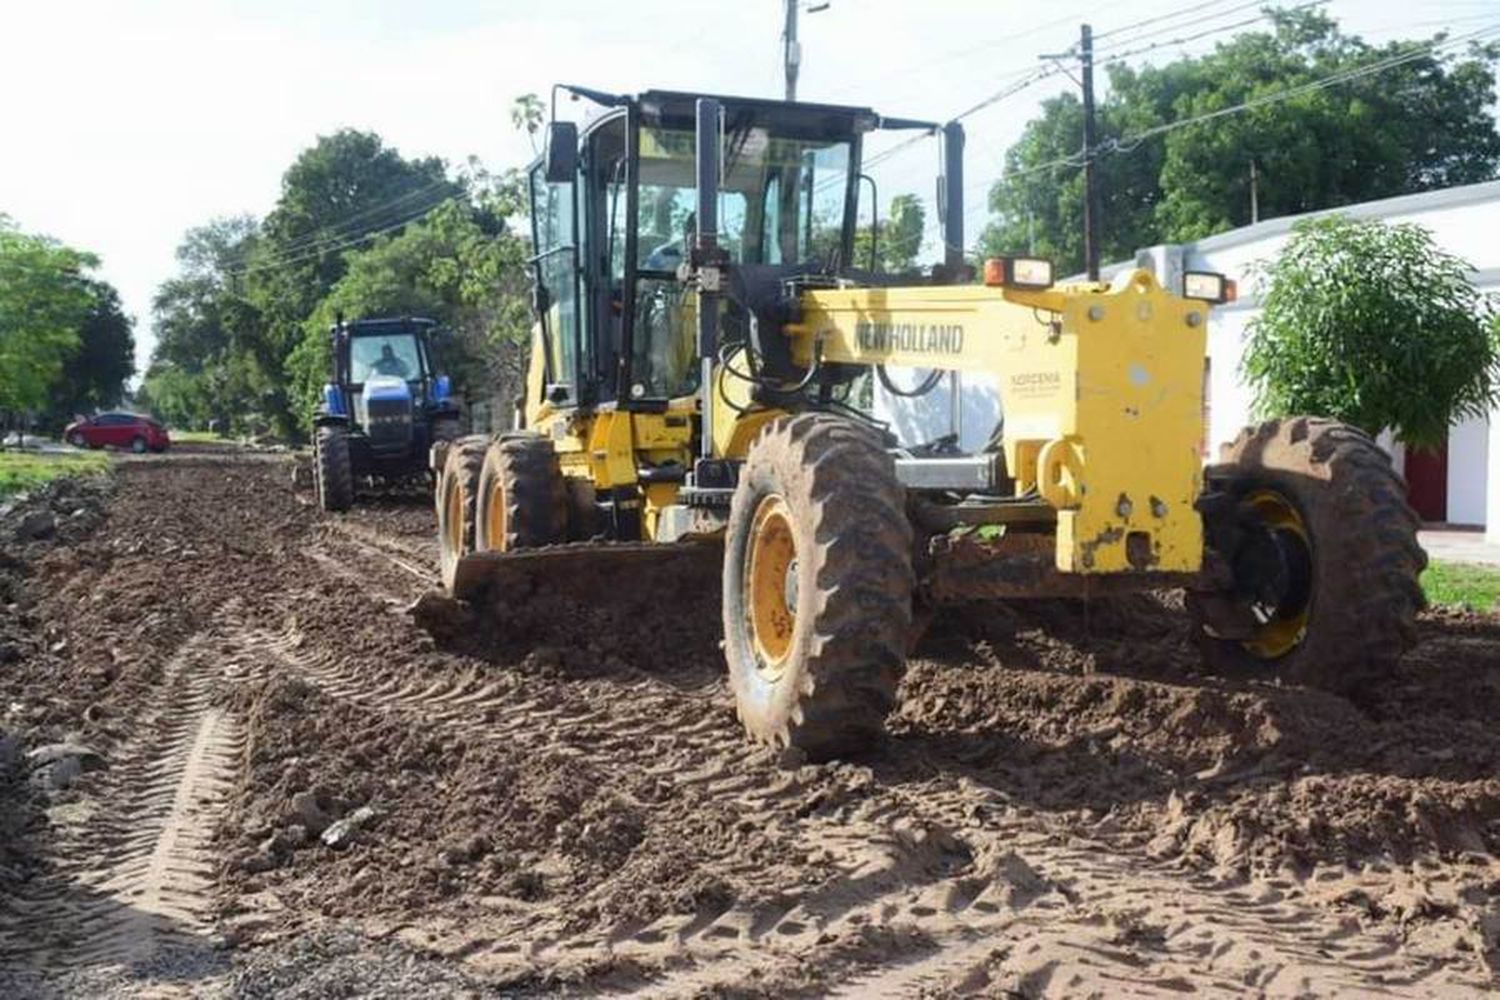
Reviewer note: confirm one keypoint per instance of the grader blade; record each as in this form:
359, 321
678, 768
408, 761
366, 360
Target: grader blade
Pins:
582, 570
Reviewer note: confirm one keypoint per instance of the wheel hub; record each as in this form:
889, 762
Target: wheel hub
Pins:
1273, 573
771, 585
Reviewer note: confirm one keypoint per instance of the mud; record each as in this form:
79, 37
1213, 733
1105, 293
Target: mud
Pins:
556, 797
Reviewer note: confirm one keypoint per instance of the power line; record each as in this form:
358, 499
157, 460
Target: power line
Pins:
333, 231
1174, 15
1185, 39
285, 261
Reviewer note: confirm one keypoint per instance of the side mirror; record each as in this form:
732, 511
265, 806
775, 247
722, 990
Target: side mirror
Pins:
562, 152
442, 388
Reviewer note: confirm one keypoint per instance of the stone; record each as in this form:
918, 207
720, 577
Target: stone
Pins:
57, 775
342, 833
10, 750
307, 807
37, 525
88, 759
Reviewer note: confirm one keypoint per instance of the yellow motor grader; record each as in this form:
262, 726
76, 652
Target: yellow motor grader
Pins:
704, 332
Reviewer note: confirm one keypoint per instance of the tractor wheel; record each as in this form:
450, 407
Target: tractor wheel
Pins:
817, 586
522, 500
458, 485
1321, 549
331, 469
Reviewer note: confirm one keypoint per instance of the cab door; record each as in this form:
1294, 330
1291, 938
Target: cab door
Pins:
554, 220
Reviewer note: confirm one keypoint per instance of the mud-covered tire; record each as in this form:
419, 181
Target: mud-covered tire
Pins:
457, 491
522, 500
138, 445
822, 678
333, 474
78, 440
1362, 593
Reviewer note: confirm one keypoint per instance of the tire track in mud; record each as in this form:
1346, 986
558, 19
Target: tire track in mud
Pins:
939, 889
134, 878
943, 886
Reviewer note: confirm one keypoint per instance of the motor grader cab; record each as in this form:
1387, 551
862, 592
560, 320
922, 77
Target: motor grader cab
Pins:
702, 326
382, 409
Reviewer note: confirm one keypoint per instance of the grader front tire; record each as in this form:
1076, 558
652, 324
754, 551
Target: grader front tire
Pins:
1322, 532
817, 586
458, 489
523, 501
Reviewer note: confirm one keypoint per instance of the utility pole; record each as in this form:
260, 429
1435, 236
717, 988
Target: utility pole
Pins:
791, 52
791, 49
1091, 211
1254, 193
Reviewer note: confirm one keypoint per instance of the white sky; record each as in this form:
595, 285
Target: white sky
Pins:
125, 122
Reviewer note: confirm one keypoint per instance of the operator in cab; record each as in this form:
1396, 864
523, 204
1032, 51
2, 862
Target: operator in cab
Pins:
389, 364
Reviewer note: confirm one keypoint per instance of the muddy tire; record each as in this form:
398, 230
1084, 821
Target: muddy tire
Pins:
522, 500
332, 472
817, 586
138, 445
1313, 523
78, 440
457, 491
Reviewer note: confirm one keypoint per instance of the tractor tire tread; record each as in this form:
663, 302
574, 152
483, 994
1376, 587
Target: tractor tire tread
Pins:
333, 471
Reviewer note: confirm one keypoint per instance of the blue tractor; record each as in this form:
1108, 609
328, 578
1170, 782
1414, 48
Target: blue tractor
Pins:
383, 409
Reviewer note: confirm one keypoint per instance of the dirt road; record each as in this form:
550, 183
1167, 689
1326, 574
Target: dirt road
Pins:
1063, 808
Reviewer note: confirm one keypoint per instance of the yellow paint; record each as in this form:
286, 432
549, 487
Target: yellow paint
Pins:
1101, 387
1102, 392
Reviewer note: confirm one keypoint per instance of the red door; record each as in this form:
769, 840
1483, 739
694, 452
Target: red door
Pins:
1427, 481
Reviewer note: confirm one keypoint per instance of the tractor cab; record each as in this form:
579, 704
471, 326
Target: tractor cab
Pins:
614, 210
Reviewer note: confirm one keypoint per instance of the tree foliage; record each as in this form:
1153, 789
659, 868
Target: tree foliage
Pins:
1417, 126
64, 342
464, 265
1372, 324
900, 237
94, 377
358, 230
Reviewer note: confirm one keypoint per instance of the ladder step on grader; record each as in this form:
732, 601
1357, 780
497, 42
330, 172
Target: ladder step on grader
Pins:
702, 332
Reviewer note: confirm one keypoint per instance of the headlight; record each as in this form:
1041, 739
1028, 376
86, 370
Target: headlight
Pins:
1018, 272
1208, 286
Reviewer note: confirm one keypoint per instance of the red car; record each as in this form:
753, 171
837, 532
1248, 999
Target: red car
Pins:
118, 430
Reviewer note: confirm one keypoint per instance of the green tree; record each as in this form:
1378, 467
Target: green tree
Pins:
1417, 126
1372, 324
94, 376
463, 265
339, 195
45, 297
211, 336
900, 238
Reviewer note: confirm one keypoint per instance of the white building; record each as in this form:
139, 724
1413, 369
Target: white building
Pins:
1460, 485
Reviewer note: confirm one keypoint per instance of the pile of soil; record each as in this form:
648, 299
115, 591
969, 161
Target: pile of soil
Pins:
32, 525
1099, 714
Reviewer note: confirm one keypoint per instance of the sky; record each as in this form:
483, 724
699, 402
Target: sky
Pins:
127, 122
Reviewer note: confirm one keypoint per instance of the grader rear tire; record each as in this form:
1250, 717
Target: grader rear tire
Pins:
1325, 557
523, 502
817, 586
458, 488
